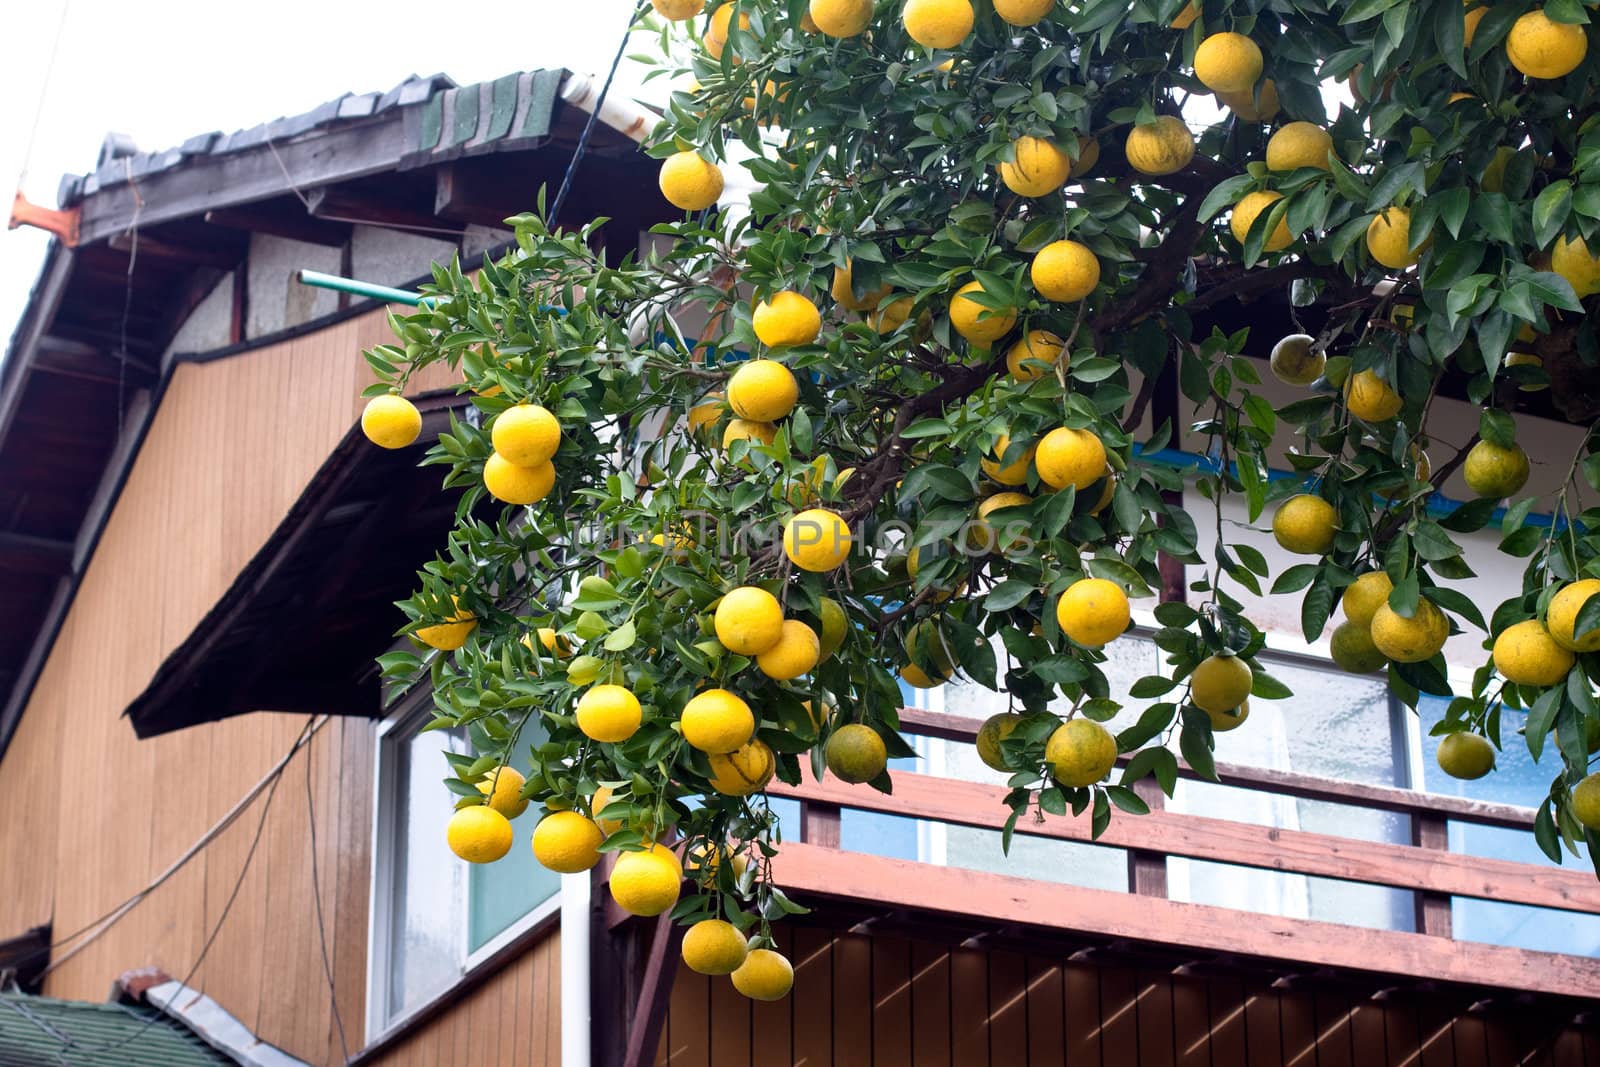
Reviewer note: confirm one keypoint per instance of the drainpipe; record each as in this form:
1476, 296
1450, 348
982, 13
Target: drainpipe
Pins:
575, 970
626, 117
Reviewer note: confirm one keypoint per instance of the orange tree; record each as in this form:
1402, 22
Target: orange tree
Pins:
901, 415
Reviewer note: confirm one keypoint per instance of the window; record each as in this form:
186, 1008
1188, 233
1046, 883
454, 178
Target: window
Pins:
1517, 780
434, 917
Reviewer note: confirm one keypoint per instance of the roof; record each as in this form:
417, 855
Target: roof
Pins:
348, 548
43, 1030
157, 231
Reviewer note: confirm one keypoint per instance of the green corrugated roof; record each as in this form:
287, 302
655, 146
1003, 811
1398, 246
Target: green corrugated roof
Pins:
37, 1031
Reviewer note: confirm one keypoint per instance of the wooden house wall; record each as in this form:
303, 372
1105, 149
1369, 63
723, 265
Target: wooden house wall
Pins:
883, 1001
512, 1020
89, 815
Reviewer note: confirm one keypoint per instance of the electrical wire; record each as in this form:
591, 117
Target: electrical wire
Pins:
261, 824
322, 930
594, 115
44, 92
100, 925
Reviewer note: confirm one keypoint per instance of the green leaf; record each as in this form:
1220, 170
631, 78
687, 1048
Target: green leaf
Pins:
1315, 608
1194, 741
1127, 800
1551, 209
1497, 427
622, 638
1267, 687
1225, 194
1008, 594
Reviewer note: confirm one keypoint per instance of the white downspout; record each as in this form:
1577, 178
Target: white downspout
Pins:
575, 970
621, 114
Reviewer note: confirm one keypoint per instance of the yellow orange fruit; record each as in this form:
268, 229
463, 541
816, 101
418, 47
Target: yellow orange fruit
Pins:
764, 433
785, 318
1065, 271
1299, 144
478, 834
1080, 753
567, 842
938, 23
1563, 612
714, 946
1495, 471
511, 484
841, 18
1164, 146
1023, 12
1220, 683
451, 635
1540, 47
689, 181
526, 435
762, 390
609, 713
979, 324
764, 974
391, 421
748, 621
1093, 612
1389, 239
717, 721
1306, 525
1228, 62
1363, 597
816, 540
503, 786
855, 754
743, 771
647, 882
1466, 756
1037, 168
1526, 654
1013, 473
1370, 398
1033, 348
1571, 260
1410, 640
796, 652
1250, 207
1070, 457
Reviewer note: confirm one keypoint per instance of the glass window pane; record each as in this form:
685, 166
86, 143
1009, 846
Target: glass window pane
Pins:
429, 884
1517, 779
1335, 726
499, 894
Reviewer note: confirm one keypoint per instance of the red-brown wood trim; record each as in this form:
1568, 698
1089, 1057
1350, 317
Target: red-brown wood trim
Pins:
1433, 909
810, 871
1284, 783
1222, 841
819, 823
655, 994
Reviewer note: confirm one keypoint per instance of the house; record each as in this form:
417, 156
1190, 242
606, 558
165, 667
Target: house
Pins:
198, 775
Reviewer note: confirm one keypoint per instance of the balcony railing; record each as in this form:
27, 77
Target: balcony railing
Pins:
1425, 868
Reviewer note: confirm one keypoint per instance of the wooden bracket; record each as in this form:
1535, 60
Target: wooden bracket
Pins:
64, 224
655, 994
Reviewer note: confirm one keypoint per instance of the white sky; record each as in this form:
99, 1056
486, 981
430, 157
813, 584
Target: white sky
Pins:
164, 70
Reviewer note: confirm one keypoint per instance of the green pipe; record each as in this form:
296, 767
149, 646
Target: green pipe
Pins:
369, 290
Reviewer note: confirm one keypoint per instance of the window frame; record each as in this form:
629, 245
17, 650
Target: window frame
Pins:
404, 723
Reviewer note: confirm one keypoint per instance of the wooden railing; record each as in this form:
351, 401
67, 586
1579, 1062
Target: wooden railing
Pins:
1425, 868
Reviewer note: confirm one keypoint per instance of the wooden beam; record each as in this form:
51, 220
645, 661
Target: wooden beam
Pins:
330, 202
1284, 783
86, 363
222, 255
1222, 841
281, 218
819, 823
655, 993
470, 191
39, 555
1433, 909
810, 871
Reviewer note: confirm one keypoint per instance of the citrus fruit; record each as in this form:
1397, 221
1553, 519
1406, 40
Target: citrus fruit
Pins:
1352, 649
451, 635
1471, 20
1227, 63
1220, 683
716, 721
584, 669
1305, 525
995, 729
1232, 719
567, 842
1070, 457
478, 834
1370, 398
391, 421
796, 653
706, 413
978, 324
743, 771
749, 620
1093, 611
1526, 359
1493, 179
938, 23
785, 318
1164, 146
1493, 471
1410, 640
1586, 801
689, 181
714, 946
678, 10
914, 563
893, 315
1064, 271
1186, 16
609, 713
982, 535
511, 484
647, 882
816, 540
1389, 239
1464, 755
1259, 104
1571, 260
1563, 612
745, 430
856, 754
843, 291
503, 787
1250, 207
1364, 596
931, 662
762, 390
1037, 167
1540, 47
834, 626
839, 18
1080, 752
1526, 654
1013, 473
1299, 144
597, 803
1088, 156
526, 435
1295, 360
1023, 12
765, 974
554, 643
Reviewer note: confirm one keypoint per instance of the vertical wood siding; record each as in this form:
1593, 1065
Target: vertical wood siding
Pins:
89, 815
880, 1000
